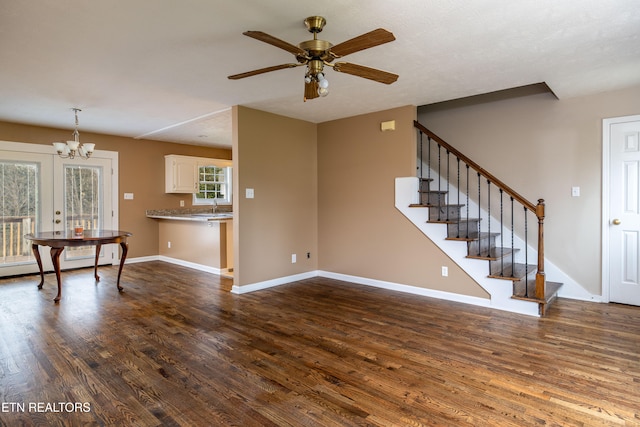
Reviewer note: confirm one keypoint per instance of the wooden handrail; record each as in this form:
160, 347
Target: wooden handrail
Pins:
498, 183
538, 209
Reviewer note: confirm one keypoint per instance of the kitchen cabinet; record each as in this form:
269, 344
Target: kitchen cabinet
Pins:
181, 174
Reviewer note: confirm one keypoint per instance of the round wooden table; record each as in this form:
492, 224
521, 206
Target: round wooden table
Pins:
58, 240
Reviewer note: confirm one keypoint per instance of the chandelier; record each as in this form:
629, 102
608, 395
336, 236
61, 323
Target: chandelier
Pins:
71, 149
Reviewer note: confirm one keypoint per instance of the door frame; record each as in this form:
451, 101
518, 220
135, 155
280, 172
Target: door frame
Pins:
102, 154
606, 171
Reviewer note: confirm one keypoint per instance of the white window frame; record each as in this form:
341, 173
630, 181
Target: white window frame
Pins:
227, 166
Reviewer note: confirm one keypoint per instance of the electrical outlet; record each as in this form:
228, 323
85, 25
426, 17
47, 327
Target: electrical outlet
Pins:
293, 258
169, 245
445, 271
182, 203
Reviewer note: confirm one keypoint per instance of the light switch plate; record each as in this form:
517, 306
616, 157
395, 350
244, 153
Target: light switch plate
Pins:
575, 191
249, 193
128, 196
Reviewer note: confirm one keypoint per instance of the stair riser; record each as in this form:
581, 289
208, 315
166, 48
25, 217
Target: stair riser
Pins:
500, 264
424, 185
462, 228
433, 198
481, 245
444, 212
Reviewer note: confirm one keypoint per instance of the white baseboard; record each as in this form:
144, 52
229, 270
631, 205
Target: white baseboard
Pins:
484, 302
273, 282
193, 265
140, 259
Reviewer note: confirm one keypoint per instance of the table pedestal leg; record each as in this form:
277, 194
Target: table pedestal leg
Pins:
36, 254
95, 265
125, 249
55, 259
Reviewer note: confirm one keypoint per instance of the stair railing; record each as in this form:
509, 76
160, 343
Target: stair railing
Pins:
537, 209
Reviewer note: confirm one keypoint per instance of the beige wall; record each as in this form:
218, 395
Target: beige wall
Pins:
141, 171
328, 189
200, 242
542, 147
276, 156
360, 231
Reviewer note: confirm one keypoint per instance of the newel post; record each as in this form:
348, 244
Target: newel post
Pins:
540, 276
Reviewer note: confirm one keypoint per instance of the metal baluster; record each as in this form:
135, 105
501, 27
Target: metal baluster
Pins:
439, 181
421, 161
458, 199
526, 255
489, 214
429, 159
513, 252
468, 199
479, 214
501, 232
448, 186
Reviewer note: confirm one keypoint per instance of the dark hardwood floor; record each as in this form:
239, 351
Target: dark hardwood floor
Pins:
176, 349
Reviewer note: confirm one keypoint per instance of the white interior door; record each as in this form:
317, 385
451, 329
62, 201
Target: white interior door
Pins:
82, 197
623, 222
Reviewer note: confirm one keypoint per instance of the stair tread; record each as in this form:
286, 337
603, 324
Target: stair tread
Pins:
493, 254
550, 291
474, 236
454, 221
433, 191
513, 272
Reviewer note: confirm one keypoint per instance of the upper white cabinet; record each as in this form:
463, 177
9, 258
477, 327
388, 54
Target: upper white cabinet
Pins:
181, 174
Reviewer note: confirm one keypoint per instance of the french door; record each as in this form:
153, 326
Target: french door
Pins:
39, 191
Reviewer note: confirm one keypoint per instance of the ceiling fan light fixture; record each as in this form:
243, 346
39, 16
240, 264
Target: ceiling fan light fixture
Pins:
316, 53
323, 83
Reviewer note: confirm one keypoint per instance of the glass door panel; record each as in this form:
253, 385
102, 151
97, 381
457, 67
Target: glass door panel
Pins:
84, 200
19, 209
83, 204
25, 198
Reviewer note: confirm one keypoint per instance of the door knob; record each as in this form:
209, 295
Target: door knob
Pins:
57, 212
616, 222
57, 221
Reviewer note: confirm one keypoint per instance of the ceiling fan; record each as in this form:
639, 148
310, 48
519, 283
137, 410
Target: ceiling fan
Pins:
315, 54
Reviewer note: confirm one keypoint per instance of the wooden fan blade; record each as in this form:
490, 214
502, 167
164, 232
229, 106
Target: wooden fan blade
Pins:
366, 72
262, 70
365, 41
311, 90
264, 37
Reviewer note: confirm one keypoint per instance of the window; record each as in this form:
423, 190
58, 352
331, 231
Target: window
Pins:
214, 184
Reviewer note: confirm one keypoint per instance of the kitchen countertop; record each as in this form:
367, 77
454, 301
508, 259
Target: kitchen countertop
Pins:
189, 215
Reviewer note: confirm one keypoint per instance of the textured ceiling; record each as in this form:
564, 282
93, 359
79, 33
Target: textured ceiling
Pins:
158, 69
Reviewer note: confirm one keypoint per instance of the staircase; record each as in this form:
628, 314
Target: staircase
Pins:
457, 194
